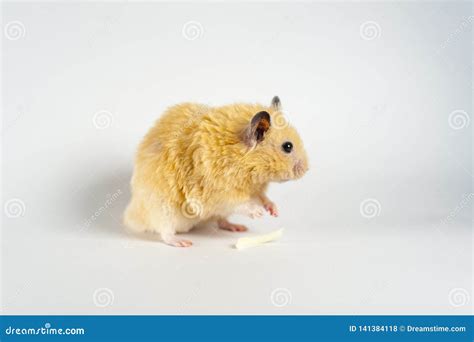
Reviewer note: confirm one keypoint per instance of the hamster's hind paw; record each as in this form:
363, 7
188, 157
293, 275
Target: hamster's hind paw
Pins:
175, 242
232, 227
180, 243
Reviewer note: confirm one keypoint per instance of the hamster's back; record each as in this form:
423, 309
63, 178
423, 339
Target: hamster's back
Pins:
174, 128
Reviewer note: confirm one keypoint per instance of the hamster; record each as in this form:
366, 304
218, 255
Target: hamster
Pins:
200, 164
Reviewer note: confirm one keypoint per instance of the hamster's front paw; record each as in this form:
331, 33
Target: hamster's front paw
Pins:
271, 208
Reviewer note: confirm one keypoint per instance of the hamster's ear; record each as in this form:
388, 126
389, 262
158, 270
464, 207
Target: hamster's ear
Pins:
257, 128
276, 104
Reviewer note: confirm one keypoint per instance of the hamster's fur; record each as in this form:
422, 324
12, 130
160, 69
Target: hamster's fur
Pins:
199, 164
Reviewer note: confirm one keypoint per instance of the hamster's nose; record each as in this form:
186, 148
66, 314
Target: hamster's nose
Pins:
300, 168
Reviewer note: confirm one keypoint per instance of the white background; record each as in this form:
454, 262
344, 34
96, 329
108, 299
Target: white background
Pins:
373, 113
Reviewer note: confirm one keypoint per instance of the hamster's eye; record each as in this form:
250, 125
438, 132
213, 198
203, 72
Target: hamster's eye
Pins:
287, 147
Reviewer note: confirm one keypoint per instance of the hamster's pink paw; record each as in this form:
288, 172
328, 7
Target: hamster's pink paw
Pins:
271, 208
181, 243
232, 227
175, 242
238, 228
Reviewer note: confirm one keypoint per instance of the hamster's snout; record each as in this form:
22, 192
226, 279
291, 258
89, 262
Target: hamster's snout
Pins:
300, 168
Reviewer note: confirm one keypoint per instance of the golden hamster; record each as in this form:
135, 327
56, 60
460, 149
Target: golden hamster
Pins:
200, 164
